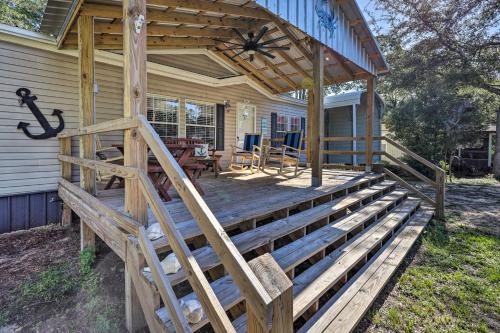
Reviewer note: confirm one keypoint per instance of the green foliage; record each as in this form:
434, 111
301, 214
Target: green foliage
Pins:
443, 86
455, 287
50, 285
25, 14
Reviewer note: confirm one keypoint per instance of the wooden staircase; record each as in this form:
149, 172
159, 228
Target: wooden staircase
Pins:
306, 263
332, 251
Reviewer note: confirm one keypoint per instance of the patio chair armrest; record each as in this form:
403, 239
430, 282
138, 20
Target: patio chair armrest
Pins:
235, 147
274, 148
292, 148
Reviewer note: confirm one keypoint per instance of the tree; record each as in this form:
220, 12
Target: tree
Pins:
444, 81
25, 14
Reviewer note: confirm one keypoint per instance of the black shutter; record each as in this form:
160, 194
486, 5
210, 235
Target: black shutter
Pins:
219, 130
274, 128
303, 128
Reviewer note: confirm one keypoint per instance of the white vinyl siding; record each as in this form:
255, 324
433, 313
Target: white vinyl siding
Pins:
53, 79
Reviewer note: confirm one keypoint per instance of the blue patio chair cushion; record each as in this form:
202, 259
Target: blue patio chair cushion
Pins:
292, 139
250, 141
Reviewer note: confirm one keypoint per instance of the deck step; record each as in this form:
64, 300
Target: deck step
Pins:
343, 312
231, 218
264, 235
313, 283
228, 293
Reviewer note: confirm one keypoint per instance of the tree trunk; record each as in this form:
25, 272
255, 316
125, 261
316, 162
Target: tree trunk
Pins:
496, 160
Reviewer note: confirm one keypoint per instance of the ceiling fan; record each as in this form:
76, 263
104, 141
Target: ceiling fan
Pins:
252, 44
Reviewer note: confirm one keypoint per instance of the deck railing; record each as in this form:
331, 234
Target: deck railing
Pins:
257, 285
438, 183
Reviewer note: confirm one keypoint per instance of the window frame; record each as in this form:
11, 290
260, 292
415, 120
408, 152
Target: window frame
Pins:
298, 123
166, 97
186, 124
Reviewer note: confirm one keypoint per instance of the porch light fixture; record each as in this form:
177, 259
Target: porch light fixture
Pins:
227, 106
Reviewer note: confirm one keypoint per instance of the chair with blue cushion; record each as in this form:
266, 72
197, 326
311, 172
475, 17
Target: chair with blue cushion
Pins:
287, 155
246, 156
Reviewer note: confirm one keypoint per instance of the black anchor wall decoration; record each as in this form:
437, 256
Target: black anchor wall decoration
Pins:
50, 132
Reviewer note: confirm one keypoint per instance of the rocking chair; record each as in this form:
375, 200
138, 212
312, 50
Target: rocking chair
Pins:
287, 155
243, 157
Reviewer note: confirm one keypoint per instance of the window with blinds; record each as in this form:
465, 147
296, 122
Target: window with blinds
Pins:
163, 114
200, 121
281, 125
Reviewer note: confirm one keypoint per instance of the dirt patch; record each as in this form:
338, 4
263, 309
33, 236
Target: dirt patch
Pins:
45, 290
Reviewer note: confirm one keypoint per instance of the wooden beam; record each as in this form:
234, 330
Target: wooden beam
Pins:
278, 71
70, 23
238, 67
161, 30
112, 40
310, 114
105, 126
135, 150
214, 7
251, 68
318, 116
370, 106
110, 11
86, 114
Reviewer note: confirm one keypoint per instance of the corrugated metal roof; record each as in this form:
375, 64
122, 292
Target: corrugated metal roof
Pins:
55, 16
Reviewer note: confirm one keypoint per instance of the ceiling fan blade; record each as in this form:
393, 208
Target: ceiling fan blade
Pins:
240, 35
274, 40
237, 54
284, 48
267, 54
227, 42
260, 34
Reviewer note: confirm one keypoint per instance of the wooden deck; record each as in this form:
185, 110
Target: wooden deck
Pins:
235, 197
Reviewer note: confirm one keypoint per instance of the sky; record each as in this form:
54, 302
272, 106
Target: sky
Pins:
369, 6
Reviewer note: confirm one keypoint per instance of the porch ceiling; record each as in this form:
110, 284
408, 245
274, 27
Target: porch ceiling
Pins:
188, 24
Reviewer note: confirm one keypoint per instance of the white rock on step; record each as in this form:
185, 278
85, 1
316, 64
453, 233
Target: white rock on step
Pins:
192, 310
170, 264
154, 231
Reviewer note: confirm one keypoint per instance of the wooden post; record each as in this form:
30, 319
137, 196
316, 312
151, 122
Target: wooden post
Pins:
65, 149
134, 101
135, 150
280, 288
310, 112
370, 105
87, 114
440, 193
317, 126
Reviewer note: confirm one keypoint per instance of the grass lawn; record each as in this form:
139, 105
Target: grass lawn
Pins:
452, 283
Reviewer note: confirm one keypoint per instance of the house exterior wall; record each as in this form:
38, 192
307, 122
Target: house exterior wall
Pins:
338, 122
30, 166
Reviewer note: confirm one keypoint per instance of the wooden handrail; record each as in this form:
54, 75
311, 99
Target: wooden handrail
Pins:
106, 126
256, 296
108, 168
410, 170
164, 287
438, 183
121, 220
196, 278
412, 154
409, 186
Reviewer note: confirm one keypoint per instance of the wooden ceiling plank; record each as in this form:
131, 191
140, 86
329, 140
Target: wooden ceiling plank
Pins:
278, 71
215, 7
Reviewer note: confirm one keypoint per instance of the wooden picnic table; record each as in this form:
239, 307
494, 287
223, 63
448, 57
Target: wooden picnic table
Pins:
183, 154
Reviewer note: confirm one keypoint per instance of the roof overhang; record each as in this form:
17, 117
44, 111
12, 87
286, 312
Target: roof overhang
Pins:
352, 52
